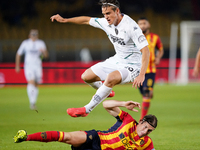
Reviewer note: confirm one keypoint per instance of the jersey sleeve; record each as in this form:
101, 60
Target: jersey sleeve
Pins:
137, 36
21, 49
43, 45
97, 22
124, 116
159, 44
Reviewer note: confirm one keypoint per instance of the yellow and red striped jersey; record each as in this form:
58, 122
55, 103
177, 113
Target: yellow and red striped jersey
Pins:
122, 135
154, 42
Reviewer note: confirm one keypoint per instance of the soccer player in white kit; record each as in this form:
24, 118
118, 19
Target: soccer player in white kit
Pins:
34, 49
130, 62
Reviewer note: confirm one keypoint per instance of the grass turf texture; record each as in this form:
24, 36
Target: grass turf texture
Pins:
177, 109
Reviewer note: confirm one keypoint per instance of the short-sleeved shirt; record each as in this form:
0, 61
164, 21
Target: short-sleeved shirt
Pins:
122, 135
154, 42
127, 38
32, 51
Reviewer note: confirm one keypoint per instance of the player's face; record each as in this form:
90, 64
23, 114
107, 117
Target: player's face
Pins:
110, 15
144, 129
34, 37
144, 25
33, 34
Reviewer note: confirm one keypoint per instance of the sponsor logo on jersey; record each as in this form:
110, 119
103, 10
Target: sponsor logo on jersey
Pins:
135, 28
125, 142
142, 142
33, 51
134, 72
118, 40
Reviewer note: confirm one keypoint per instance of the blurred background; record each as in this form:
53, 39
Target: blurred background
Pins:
65, 41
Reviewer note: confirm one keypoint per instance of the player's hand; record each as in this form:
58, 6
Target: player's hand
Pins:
130, 105
58, 18
138, 81
157, 61
195, 72
17, 69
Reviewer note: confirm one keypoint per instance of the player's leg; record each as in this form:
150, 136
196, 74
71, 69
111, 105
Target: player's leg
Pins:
103, 71
93, 80
147, 93
76, 138
120, 76
31, 86
38, 80
112, 79
32, 91
98, 73
103, 92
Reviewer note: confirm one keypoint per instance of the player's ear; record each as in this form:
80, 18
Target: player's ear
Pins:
117, 10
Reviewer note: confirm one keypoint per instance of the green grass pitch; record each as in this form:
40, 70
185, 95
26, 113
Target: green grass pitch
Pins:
177, 109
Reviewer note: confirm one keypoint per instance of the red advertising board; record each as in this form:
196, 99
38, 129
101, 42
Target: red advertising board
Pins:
65, 72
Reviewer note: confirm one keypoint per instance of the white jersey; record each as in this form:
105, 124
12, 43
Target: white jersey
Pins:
127, 38
32, 51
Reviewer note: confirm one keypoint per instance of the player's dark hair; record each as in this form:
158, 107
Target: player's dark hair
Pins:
151, 119
142, 18
105, 3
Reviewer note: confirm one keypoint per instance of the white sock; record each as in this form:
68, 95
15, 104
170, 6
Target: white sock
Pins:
96, 84
99, 96
32, 92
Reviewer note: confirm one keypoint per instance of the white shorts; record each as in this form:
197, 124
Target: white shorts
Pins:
128, 71
33, 73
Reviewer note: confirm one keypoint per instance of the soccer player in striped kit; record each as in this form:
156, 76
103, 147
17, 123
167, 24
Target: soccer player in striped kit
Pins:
33, 49
154, 43
125, 134
130, 62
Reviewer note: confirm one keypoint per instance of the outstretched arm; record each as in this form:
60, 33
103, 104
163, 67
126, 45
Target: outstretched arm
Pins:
112, 106
76, 20
145, 61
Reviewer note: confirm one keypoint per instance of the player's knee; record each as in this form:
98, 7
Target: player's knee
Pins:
84, 77
151, 93
109, 82
89, 76
31, 81
146, 92
112, 80
67, 138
